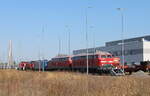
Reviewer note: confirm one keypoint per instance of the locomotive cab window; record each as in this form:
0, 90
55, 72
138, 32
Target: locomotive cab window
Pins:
109, 56
91, 56
75, 58
96, 56
103, 56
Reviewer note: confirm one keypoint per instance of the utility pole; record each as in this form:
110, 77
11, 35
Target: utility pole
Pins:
39, 55
43, 63
1, 64
122, 34
68, 29
86, 30
10, 56
87, 61
59, 45
91, 27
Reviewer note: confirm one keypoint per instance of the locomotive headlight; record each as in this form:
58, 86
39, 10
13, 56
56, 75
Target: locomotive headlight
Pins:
116, 60
103, 61
110, 61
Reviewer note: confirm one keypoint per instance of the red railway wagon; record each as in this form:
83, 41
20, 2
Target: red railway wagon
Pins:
143, 66
25, 65
99, 61
39, 64
60, 62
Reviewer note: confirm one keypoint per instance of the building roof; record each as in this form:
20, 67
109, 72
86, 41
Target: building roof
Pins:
112, 43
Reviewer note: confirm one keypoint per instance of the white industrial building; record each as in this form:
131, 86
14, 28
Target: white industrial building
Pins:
135, 49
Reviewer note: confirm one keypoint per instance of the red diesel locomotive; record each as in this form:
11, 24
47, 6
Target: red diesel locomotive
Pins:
98, 61
60, 62
25, 65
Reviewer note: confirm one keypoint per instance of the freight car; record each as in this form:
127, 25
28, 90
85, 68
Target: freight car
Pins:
143, 66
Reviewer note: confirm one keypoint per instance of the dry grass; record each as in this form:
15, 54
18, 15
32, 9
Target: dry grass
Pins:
19, 83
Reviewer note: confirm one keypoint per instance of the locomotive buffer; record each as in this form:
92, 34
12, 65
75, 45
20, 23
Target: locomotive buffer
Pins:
116, 72
113, 71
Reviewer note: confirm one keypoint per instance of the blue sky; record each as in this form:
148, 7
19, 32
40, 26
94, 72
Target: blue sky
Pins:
22, 21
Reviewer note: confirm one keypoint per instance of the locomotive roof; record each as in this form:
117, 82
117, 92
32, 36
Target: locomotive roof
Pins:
61, 56
38, 60
97, 53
